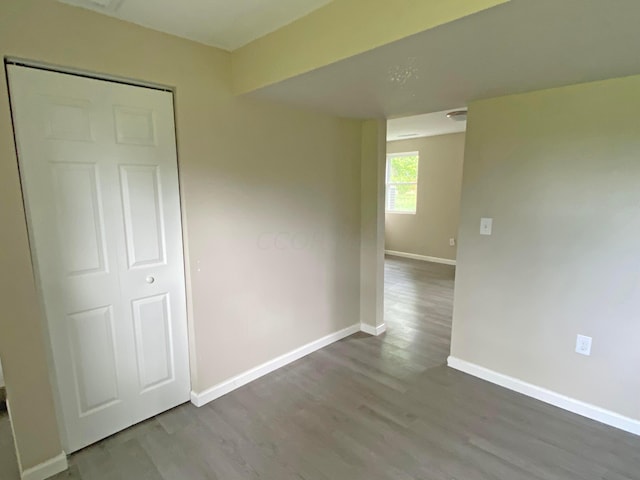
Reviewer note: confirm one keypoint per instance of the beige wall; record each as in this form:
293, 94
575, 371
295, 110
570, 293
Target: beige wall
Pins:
559, 172
271, 207
438, 211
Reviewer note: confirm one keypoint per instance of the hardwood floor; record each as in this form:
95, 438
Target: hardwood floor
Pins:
370, 408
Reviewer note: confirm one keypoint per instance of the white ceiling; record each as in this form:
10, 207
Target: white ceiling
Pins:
520, 46
425, 125
227, 24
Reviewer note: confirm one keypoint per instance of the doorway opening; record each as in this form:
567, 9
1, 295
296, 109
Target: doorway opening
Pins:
423, 178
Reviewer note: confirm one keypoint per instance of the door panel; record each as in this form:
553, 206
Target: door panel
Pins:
91, 335
143, 215
154, 345
135, 126
80, 219
99, 172
67, 119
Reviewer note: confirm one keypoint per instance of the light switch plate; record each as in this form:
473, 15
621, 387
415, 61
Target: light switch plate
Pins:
486, 226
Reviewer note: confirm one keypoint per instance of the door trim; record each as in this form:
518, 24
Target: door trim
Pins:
23, 62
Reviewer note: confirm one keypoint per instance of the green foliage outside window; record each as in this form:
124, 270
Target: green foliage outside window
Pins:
402, 183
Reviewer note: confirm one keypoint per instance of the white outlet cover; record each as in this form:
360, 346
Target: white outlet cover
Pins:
583, 345
486, 226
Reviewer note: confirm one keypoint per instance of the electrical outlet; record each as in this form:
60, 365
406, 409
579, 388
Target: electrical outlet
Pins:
583, 345
486, 226
452, 242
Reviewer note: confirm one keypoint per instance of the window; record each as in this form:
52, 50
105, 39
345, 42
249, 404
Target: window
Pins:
402, 182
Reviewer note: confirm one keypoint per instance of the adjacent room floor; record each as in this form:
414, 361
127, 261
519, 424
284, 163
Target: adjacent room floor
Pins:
370, 408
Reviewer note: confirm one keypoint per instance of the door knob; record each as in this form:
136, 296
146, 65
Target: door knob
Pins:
150, 279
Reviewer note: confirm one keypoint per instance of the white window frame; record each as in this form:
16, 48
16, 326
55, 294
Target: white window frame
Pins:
387, 183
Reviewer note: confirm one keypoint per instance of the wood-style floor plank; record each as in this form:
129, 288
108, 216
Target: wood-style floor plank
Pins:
373, 408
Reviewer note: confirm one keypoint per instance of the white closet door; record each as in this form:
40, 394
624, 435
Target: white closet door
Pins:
99, 172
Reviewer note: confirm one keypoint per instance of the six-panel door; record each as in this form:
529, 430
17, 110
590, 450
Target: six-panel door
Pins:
99, 172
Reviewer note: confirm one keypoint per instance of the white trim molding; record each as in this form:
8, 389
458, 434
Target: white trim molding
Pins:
424, 258
548, 396
371, 330
46, 469
217, 391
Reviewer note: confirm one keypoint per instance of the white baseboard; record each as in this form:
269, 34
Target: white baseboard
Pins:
46, 469
217, 391
548, 396
371, 330
424, 258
